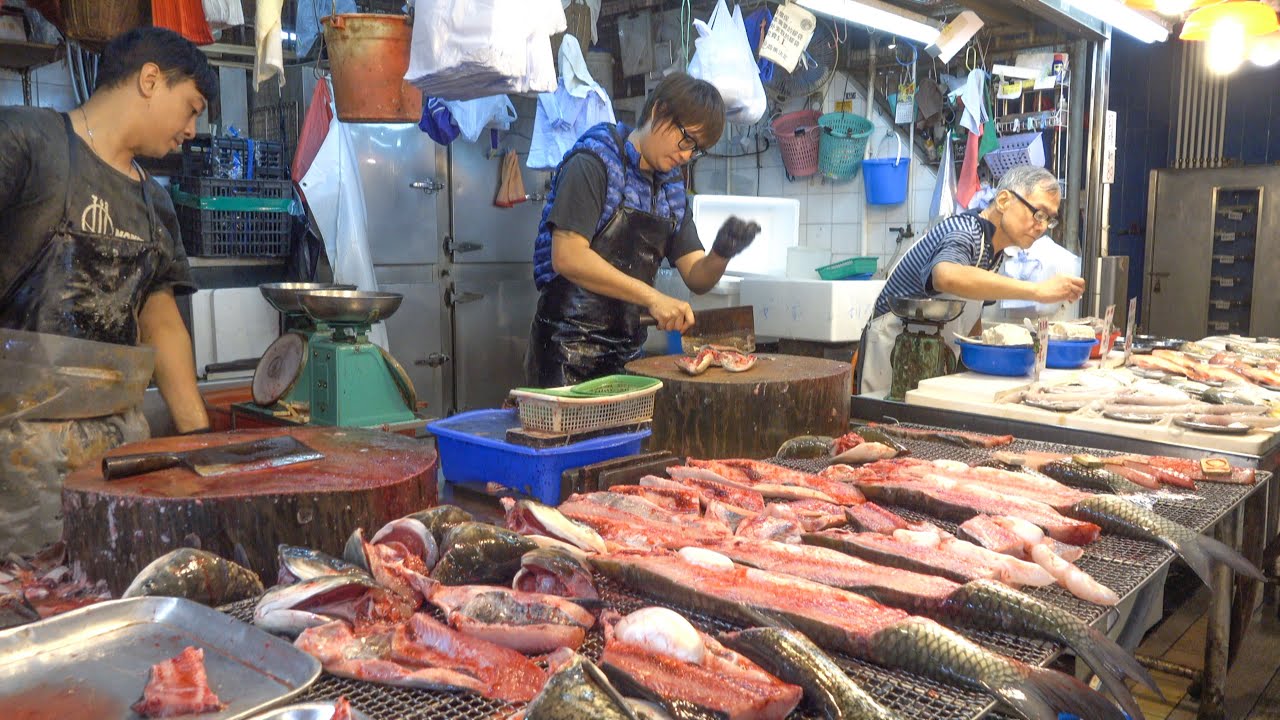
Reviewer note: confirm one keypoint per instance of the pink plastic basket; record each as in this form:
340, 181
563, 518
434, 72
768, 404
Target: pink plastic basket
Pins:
798, 134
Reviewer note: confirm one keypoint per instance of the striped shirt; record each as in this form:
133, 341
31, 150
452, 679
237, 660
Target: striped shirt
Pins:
964, 239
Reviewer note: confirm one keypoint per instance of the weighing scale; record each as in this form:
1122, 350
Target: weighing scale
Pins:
324, 370
921, 353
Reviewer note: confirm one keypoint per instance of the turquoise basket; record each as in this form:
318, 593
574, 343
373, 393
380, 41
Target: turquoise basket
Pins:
843, 144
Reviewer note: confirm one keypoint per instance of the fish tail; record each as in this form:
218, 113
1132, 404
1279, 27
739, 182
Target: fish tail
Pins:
1227, 556
923, 646
1044, 694
990, 605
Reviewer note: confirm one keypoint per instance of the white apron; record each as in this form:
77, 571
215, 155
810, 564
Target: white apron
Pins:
874, 369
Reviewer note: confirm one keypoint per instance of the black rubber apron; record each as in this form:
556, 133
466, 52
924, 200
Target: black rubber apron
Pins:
85, 282
577, 334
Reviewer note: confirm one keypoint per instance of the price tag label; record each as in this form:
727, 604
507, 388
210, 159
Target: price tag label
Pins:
1128, 330
1222, 304
788, 36
1227, 282
1226, 236
1107, 318
1235, 215
1042, 346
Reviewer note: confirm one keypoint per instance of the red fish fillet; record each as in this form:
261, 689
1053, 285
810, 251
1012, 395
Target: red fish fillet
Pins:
675, 499
506, 674
870, 517
761, 472
178, 686
341, 709
982, 530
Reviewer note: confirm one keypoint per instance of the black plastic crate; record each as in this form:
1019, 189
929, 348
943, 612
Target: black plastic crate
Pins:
230, 233
208, 156
217, 187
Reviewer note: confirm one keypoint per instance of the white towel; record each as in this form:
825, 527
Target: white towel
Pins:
269, 59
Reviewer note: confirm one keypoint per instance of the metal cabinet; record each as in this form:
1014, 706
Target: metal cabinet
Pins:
404, 191
418, 342
1213, 251
493, 305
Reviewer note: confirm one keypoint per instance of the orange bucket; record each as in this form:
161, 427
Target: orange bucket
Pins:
369, 55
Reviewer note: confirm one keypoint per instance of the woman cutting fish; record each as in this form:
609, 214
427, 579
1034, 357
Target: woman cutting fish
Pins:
959, 258
616, 209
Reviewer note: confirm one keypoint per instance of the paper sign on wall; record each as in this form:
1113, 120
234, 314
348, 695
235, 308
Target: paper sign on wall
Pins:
788, 36
904, 111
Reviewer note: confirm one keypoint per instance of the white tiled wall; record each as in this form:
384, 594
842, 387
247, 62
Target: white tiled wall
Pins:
831, 213
50, 87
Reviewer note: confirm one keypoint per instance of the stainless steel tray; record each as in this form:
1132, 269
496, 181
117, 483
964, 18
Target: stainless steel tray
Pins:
95, 661
306, 711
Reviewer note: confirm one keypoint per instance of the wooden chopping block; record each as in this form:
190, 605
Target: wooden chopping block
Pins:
720, 414
367, 478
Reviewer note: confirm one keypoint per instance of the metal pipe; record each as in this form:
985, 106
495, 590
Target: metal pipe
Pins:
1215, 137
1098, 92
1075, 161
871, 108
1202, 137
1178, 149
1193, 109
1222, 117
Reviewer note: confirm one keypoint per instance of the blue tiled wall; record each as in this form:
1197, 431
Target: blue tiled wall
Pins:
1144, 85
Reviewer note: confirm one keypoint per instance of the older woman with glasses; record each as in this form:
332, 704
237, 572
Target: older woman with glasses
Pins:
616, 209
958, 259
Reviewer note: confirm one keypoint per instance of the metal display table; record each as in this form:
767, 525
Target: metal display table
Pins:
1130, 567
1248, 523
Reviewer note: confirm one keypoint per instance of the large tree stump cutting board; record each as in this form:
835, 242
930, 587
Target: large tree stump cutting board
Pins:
721, 414
113, 529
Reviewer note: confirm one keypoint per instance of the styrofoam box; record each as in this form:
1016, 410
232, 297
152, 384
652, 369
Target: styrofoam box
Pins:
779, 220
817, 310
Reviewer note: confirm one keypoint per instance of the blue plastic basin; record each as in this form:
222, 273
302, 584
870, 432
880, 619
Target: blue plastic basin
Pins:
1069, 353
473, 449
1011, 361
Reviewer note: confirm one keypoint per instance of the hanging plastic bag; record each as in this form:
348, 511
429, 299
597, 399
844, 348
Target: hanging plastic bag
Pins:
724, 59
473, 116
223, 13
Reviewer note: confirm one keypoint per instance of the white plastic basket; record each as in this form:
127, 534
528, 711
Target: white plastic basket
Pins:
1015, 150
572, 416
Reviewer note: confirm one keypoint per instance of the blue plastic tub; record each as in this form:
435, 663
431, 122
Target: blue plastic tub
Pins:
1069, 353
1011, 361
473, 449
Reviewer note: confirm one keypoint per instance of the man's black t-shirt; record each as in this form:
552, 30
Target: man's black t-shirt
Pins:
34, 182
580, 195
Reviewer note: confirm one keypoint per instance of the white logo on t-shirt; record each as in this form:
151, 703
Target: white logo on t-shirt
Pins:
96, 218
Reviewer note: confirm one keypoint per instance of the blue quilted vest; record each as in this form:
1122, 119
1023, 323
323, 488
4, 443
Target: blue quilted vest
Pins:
636, 189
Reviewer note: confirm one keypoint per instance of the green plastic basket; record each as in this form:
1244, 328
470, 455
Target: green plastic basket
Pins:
606, 386
843, 144
849, 267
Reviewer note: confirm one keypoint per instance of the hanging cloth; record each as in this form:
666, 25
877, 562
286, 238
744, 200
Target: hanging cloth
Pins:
268, 58
967, 185
314, 129
185, 17
511, 185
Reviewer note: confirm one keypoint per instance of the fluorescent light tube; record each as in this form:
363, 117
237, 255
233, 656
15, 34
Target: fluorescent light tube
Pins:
878, 16
1127, 20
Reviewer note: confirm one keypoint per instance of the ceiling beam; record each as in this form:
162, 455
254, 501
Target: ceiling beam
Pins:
1061, 15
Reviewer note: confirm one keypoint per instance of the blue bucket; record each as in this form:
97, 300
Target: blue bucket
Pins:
885, 179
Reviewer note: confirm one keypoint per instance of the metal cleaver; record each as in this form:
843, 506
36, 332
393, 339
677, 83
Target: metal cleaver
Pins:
209, 462
733, 327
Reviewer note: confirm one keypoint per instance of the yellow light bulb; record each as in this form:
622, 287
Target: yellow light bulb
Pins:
1225, 48
1265, 51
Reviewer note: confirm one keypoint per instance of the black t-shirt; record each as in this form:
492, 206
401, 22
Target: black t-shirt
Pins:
579, 205
34, 180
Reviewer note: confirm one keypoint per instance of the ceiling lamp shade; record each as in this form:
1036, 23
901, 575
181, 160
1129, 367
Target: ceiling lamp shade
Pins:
1169, 7
1252, 17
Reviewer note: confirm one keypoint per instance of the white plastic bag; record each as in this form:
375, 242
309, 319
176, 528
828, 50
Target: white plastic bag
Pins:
724, 59
473, 116
468, 49
223, 13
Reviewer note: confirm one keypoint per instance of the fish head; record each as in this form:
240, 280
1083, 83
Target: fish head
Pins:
440, 519
163, 576
290, 609
549, 521
414, 535
473, 533
303, 563
354, 551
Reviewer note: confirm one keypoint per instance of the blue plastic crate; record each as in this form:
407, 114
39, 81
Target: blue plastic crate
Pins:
473, 449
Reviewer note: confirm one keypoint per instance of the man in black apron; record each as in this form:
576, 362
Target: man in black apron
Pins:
958, 259
92, 262
616, 210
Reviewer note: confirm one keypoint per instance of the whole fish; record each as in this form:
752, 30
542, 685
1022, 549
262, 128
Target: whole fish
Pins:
1124, 518
859, 626
577, 691
196, 575
793, 658
1072, 473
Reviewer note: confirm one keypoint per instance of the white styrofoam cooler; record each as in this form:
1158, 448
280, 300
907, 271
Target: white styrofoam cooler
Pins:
779, 220
817, 310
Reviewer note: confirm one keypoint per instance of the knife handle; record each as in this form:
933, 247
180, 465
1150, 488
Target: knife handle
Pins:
122, 466
647, 320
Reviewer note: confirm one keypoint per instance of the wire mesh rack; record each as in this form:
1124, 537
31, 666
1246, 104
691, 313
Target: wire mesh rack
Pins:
1122, 564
